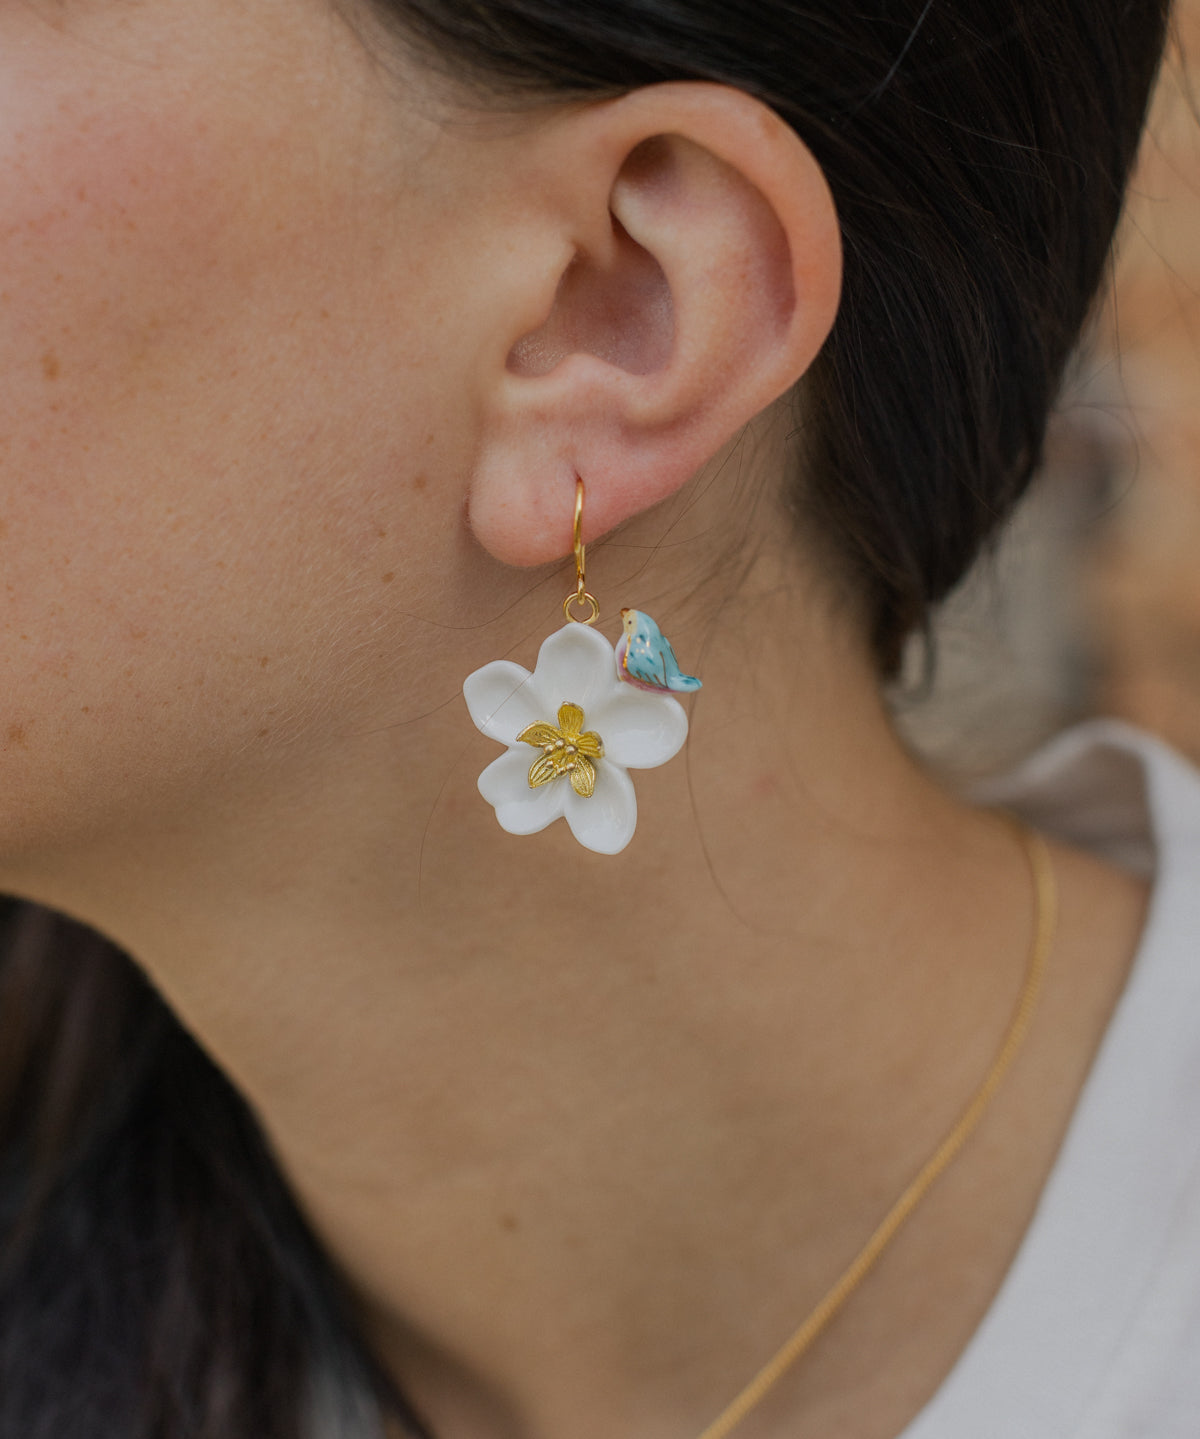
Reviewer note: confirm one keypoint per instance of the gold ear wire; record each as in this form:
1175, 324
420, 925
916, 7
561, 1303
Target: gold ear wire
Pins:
581, 595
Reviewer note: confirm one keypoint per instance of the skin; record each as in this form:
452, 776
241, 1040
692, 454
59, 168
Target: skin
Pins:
299, 362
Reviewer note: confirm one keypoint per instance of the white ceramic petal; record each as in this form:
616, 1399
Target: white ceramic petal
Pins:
574, 664
606, 820
502, 701
639, 731
519, 809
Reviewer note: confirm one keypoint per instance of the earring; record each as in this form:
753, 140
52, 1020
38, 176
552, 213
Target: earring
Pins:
589, 713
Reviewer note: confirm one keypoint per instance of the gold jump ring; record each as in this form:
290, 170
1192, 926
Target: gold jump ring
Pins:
584, 599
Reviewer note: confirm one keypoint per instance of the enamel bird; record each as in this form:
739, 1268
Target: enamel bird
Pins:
645, 658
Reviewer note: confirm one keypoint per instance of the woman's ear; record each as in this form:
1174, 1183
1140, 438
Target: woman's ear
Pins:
685, 263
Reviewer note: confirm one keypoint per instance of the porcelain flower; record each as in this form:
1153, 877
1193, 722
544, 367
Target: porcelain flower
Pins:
573, 732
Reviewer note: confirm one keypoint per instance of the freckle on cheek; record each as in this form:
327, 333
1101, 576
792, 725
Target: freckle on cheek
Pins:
16, 736
766, 786
389, 577
50, 366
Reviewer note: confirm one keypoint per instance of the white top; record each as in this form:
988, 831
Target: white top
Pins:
1095, 1333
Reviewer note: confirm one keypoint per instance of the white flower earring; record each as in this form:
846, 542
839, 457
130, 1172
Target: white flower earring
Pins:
590, 715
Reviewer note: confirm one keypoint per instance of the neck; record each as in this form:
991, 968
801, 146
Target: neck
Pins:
579, 1127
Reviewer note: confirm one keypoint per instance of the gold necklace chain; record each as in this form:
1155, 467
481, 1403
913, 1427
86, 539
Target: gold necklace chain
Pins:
1045, 911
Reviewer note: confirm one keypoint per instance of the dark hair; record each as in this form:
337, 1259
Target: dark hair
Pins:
156, 1279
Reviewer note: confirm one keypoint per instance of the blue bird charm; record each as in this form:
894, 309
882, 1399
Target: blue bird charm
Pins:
645, 658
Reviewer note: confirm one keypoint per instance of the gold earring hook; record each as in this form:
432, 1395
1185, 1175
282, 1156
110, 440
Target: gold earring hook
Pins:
581, 596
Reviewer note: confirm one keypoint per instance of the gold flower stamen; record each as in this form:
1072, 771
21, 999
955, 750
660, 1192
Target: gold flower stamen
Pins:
566, 750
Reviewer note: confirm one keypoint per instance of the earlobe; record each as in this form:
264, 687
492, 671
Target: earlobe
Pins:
704, 278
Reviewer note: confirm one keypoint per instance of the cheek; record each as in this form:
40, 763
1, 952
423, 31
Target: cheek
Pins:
106, 216
195, 523
98, 229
